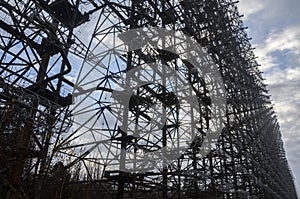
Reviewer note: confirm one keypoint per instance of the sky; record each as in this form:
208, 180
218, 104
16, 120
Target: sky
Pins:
274, 26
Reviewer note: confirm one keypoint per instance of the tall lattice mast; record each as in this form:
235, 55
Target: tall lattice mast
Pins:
83, 153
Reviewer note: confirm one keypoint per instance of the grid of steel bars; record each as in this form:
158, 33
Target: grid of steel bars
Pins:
39, 44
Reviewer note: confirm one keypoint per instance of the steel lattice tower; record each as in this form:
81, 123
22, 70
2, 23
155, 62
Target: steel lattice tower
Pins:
50, 148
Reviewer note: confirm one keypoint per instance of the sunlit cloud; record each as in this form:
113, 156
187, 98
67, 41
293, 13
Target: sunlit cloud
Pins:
287, 41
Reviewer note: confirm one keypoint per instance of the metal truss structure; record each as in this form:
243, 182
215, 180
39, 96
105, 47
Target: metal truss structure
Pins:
50, 148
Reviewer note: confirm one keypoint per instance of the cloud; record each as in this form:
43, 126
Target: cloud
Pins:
265, 59
249, 8
284, 85
286, 41
283, 77
270, 13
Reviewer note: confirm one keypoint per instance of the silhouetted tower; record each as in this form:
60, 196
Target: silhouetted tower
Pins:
82, 153
36, 37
